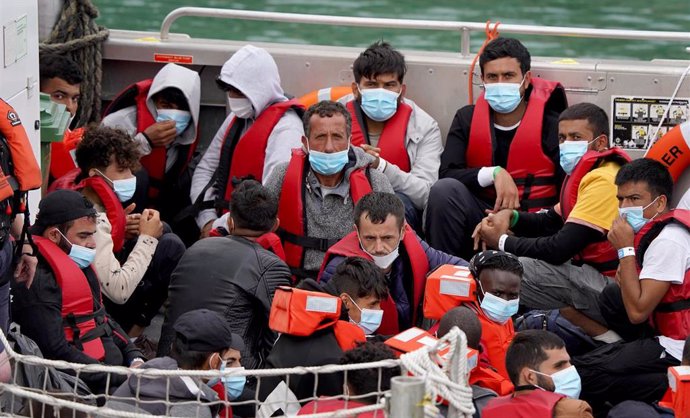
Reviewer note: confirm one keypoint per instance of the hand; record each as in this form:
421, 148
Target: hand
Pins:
136, 363
206, 229
507, 195
621, 234
161, 133
150, 223
373, 151
132, 223
491, 228
26, 267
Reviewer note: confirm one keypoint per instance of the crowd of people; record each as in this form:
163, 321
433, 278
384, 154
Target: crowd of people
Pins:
305, 237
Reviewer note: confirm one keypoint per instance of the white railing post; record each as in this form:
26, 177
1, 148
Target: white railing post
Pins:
407, 397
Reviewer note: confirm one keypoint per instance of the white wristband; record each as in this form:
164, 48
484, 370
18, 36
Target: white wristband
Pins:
502, 242
626, 252
382, 165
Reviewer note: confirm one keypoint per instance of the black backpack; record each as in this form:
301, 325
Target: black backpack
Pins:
576, 341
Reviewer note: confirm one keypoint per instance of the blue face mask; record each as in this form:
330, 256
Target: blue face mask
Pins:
566, 382
379, 104
570, 153
503, 97
234, 385
124, 189
83, 256
328, 164
635, 215
181, 118
497, 309
369, 319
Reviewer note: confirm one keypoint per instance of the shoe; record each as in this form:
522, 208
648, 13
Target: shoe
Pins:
148, 347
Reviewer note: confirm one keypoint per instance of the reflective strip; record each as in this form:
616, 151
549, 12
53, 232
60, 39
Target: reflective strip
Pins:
454, 287
324, 94
322, 304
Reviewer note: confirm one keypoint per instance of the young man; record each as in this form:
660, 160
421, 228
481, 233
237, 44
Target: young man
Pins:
320, 186
500, 153
382, 235
564, 250
546, 384
403, 138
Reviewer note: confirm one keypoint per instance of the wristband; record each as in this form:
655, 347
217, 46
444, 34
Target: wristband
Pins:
514, 219
496, 170
382, 165
626, 252
502, 242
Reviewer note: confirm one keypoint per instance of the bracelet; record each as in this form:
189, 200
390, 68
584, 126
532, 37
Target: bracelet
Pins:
626, 252
502, 242
496, 170
514, 219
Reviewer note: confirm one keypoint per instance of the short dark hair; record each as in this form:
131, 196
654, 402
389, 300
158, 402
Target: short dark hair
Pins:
495, 260
377, 206
652, 172
326, 109
187, 359
253, 207
506, 47
528, 349
595, 116
379, 58
467, 320
172, 95
360, 278
365, 381
100, 144
59, 66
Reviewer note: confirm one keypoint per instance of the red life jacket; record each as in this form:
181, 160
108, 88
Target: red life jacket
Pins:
488, 378
225, 409
392, 140
292, 212
61, 161
600, 255
531, 169
333, 405
81, 323
269, 241
671, 317
416, 257
536, 404
113, 207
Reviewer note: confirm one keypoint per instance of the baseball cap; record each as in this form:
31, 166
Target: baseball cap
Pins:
207, 331
59, 207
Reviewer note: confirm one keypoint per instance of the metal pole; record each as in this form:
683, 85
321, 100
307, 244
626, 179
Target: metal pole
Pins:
465, 42
407, 397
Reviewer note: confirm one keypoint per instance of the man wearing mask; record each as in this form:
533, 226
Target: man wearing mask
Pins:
320, 186
565, 253
546, 384
62, 308
382, 235
501, 153
403, 138
258, 134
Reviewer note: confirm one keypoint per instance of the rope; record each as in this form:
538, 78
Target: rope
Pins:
77, 36
491, 34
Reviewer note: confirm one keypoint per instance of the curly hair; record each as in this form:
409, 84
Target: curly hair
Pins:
101, 145
366, 381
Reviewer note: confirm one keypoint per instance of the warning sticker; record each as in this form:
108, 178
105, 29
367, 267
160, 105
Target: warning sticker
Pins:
635, 120
178, 59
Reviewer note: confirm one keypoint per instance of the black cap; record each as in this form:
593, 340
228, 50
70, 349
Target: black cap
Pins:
206, 331
59, 207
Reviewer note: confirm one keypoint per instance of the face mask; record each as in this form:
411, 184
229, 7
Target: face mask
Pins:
498, 309
635, 215
566, 381
571, 152
181, 118
503, 97
328, 164
369, 320
242, 107
83, 256
234, 385
382, 261
124, 189
379, 104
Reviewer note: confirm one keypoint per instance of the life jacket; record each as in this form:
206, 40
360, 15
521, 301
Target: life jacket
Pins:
328, 94
415, 338
62, 153
292, 212
225, 409
269, 241
536, 404
601, 254
489, 378
447, 287
392, 140
19, 171
155, 162
83, 326
418, 262
671, 317
333, 405
113, 207
495, 340
679, 386
532, 170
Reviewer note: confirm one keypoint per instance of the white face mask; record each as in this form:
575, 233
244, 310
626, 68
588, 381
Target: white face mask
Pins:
242, 108
382, 261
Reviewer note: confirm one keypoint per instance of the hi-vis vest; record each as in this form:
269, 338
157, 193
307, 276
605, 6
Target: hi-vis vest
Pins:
82, 325
392, 140
301, 313
531, 169
419, 264
600, 255
113, 207
19, 170
292, 212
536, 404
671, 317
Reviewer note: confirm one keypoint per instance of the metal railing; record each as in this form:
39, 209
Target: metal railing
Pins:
464, 28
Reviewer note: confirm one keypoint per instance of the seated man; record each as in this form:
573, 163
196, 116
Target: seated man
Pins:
546, 384
258, 134
403, 138
319, 187
61, 310
575, 229
382, 235
501, 153
233, 275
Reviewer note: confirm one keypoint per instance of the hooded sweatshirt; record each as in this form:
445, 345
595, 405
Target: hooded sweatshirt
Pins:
172, 75
252, 71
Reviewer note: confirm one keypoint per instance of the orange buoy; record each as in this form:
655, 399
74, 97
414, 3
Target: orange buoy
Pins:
673, 150
328, 93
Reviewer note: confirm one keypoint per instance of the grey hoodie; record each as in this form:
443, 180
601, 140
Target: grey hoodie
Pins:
253, 71
172, 75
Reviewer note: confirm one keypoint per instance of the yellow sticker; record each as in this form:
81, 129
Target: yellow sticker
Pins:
148, 39
566, 61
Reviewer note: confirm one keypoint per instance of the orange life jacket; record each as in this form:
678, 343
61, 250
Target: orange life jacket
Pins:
24, 173
82, 325
488, 378
531, 169
61, 153
392, 140
671, 317
113, 207
536, 404
679, 389
292, 212
447, 287
600, 255
495, 340
416, 257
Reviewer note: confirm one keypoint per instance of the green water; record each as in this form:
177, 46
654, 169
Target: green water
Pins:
669, 15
